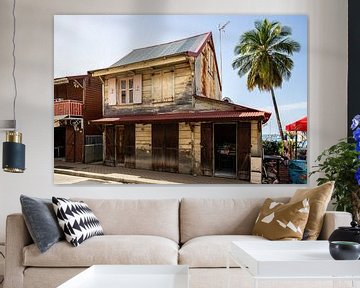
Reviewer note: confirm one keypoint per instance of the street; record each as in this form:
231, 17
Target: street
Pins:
67, 179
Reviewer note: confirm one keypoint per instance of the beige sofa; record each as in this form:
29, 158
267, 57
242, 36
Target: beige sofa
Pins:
194, 232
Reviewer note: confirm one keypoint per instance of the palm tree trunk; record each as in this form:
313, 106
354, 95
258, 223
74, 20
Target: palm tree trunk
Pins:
277, 114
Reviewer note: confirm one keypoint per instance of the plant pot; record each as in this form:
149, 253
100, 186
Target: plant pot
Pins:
351, 233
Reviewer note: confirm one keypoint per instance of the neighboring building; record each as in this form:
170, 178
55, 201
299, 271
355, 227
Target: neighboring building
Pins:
77, 100
163, 110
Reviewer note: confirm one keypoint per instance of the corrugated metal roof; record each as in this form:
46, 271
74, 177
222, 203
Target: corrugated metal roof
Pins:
187, 116
187, 45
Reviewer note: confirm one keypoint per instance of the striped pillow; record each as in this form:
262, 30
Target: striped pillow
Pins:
76, 220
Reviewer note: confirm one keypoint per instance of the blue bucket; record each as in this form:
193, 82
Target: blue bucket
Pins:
298, 171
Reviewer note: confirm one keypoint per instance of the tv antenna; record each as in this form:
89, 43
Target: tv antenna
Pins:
221, 30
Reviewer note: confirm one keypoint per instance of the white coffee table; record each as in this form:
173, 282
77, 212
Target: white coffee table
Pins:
131, 276
292, 260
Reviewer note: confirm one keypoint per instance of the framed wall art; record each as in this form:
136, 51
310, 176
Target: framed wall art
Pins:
180, 99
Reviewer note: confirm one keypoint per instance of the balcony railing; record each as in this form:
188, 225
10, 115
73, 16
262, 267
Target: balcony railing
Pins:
68, 108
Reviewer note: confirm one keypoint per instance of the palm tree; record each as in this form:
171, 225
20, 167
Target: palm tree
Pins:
264, 55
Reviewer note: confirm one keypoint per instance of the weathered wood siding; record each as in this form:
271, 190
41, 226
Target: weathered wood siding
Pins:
143, 146
92, 108
256, 143
208, 104
256, 152
243, 150
91, 96
152, 101
189, 148
207, 80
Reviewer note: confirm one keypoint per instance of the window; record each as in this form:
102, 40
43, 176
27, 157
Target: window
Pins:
125, 90
131, 90
163, 86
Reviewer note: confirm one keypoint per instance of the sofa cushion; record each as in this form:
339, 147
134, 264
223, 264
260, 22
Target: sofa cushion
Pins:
77, 220
107, 249
211, 251
41, 221
279, 221
319, 198
201, 217
158, 217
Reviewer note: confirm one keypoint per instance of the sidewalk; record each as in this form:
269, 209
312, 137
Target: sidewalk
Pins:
135, 176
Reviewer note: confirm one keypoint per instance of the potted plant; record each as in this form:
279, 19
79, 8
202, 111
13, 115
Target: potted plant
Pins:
341, 163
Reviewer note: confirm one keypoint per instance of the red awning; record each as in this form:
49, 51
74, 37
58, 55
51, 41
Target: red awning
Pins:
299, 125
188, 116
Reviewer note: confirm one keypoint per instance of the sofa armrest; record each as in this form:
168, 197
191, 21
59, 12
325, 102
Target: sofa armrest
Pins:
333, 220
17, 237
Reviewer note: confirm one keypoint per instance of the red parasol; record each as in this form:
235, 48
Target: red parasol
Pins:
299, 125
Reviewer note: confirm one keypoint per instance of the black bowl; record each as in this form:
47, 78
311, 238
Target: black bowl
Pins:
344, 250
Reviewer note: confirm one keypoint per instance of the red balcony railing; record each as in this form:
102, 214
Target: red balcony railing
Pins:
68, 108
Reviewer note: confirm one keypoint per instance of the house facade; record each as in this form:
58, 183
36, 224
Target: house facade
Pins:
77, 100
163, 110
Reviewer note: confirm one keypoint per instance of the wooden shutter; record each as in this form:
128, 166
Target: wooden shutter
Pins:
165, 147
207, 148
156, 87
168, 86
112, 91
137, 88
110, 145
129, 143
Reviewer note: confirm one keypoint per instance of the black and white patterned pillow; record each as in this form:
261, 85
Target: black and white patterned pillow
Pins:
77, 220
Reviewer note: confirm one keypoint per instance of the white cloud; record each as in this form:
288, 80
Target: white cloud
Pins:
287, 107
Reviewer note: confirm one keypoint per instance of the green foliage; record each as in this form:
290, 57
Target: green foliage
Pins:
263, 54
273, 147
339, 163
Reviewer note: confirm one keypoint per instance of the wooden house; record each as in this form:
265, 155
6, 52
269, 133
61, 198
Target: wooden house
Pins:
163, 110
77, 100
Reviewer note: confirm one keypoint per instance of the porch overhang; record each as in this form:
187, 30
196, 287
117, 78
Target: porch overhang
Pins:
68, 120
193, 116
173, 59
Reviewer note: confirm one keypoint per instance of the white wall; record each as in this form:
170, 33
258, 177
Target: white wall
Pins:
327, 89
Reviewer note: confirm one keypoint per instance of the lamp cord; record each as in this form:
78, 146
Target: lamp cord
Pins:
14, 60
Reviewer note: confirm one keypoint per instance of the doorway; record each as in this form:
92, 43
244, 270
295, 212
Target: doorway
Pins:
165, 147
225, 150
59, 142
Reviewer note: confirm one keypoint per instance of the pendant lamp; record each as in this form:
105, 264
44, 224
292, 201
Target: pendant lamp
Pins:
13, 149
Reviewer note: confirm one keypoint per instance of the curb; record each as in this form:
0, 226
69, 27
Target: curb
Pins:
124, 180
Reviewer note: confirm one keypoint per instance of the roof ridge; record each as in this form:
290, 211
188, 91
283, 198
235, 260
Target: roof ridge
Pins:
167, 43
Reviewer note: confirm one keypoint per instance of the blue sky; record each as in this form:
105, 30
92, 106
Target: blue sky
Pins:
87, 42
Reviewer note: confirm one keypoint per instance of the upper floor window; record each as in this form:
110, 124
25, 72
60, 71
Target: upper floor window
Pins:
163, 86
125, 90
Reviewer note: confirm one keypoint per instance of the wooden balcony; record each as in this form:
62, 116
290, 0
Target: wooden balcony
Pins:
69, 108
